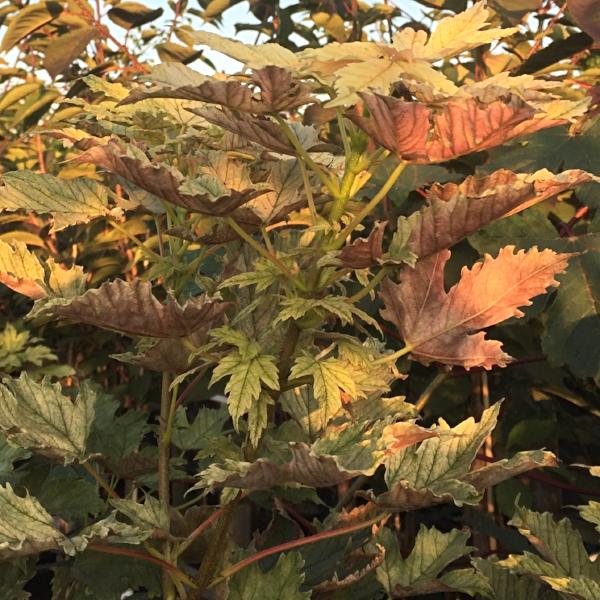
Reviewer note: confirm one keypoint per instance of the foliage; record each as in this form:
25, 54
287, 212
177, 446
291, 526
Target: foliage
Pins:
228, 299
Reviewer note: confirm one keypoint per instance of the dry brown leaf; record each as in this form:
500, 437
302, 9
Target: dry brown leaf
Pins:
401, 435
418, 133
277, 92
161, 180
364, 252
445, 326
455, 211
132, 308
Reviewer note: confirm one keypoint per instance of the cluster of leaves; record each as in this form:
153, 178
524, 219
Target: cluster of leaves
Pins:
230, 299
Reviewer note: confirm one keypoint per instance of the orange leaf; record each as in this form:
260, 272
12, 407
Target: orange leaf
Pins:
445, 326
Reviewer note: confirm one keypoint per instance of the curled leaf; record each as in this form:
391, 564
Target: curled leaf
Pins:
444, 327
423, 134
277, 92
131, 307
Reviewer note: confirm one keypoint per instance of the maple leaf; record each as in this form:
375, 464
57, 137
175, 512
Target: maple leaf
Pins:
132, 308
278, 92
219, 190
444, 326
423, 134
452, 35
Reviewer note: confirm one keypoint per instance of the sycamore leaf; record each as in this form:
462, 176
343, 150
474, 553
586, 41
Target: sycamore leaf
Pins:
68, 201
23, 272
256, 56
132, 308
563, 562
455, 211
591, 513
418, 572
339, 454
218, 192
330, 377
247, 370
418, 133
504, 584
278, 92
25, 526
296, 308
445, 326
282, 582
261, 131
39, 417
258, 417
439, 470
452, 35
208, 424
149, 515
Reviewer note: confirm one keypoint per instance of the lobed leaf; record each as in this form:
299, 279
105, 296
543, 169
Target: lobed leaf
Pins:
39, 417
439, 325
131, 307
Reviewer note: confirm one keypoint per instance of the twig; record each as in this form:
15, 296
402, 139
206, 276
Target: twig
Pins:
311, 539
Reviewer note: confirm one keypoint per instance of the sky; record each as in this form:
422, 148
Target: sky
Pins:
240, 13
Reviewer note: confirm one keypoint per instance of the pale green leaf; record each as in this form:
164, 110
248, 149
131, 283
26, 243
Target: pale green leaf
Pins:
68, 201
247, 371
258, 417
149, 514
330, 377
39, 417
25, 523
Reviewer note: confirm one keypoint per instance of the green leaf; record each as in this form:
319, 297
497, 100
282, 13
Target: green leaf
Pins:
207, 424
109, 577
116, 436
38, 416
562, 561
417, 573
438, 463
591, 512
330, 377
70, 497
247, 370
148, 515
68, 201
9, 454
280, 583
27, 20
130, 15
25, 523
13, 576
506, 585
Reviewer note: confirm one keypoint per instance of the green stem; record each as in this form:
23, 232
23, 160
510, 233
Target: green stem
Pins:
343, 132
395, 356
308, 190
381, 194
164, 452
138, 243
303, 155
264, 253
433, 385
370, 286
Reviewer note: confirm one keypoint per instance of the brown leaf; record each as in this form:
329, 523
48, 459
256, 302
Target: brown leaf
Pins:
132, 308
418, 133
455, 211
364, 252
159, 179
278, 92
444, 326
264, 132
404, 434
